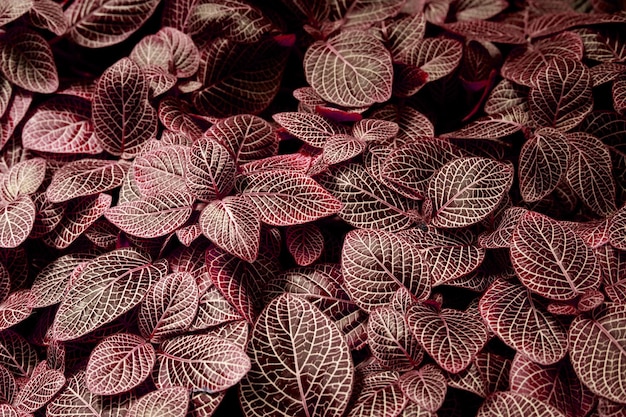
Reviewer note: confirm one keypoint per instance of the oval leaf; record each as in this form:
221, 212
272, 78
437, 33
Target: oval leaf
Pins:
246, 137
16, 221
391, 341
305, 243
50, 283
39, 390
166, 402
86, 177
508, 404
211, 169
426, 387
437, 57
161, 170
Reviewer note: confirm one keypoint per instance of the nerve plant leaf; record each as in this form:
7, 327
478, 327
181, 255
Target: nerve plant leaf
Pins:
317, 383
16, 221
508, 404
166, 402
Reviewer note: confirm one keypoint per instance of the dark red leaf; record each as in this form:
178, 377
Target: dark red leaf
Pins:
305, 243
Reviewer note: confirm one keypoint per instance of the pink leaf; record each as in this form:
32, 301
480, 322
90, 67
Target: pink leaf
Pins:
619, 95
340, 148
501, 237
412, 124
152, 217
16, 354
152, 51
482, 30
508, 404
391, 341
166, 402
358, 61
24, 178
26, 60
478, 10
246, 137
185, 54
305, 243
378, 394
550, 23
210, 170
487, 374
86, 177
437, 57
401, 35
51, 282
175, 115
39, 390
47, 14
200, 361
505, 304
493, 126
14, 114
543, 162
375, 130
96, 24
425, 386
467, 190
169, 307
123, 275
13, 9
213, 308
288, 326
122, 116
308, 127
561, 97
506, 95
61, 125
8, 387
617, 229
17, 218
119, 363
161, 170
16, 308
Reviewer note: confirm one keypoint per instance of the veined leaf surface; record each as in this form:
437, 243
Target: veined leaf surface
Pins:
86, 177
391, 341
508, 404
16, 221
166, 402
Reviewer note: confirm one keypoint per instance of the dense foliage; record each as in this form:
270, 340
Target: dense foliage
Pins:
312, 208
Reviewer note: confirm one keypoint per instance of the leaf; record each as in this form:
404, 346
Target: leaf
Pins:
210, 170
487, 374
61, 125
451, 337
86, 177
16, 354
119, 363
508, 404
437, 57
401, 35
26, 60
14, 114
376, 263
493, 126
152, 217
285, 198
200, 361
363, 13
524, 64
308, 127
166, 402
185, 54
543, 162
556, 385
425, 386
506, 95
169, 307
6, 91
213, 308
468, 10
122, 117
79, 215
239, 78
378, 394
562, 95
351, 69
47, 14
366, 202
13, 9
305, 243
51, 282
617, 229
501, 237
483, 30
391, 342
412, 124
521, 321
597, 351
551, 260
100, 23
152, 51
375, 130
246, 137
16, 308
176, 116
411, 166
234, 20
340, 148
589, 173
39, 390
316, 384
8, 387
161, 170
16, 221
24, 178
618, 92
555, 22
467, 190
123, 275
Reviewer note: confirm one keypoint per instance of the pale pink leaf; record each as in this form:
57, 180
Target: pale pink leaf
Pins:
166, 402
378, 394
161, 170
506, 304
508, 404
200, 361
24, 178
79, 215
437, 57
308, 127
285, 198
39, 390
86, 177
6, 91
119, 363
246, 137
391, 341
305, 243
524, 63
61, 125
150, 51
555, 384
550, 23
185, 54
451, 337
122, 116
51, 282
100, 23
16, 221
375, 130
487, 374
213, 308
401, 35
47, 14
483, 30
363, 13
412, 124
5, 282
351, 69
13, 9
551, 260
425, 386
467, 190
493, 126
8, 387
478, 10
506, 95
340, 148
617, 229
562, 96
18, 106
26, 60
598, 349
16, 308
287, 327
502, 235
175, 115
210, 169
619, 95
169, 307
16, 354
543, 162
606, 72
123, 275
608, 408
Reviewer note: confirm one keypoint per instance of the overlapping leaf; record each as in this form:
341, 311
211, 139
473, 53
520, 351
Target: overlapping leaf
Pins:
16, 354
466, 190
161, 170
213, 308
487, 374
123, 274
316, 384
425, 386
24, 178
185, 54
14, 114
210, 170
13, 9
391, 341
246, 137
39, 390
378, 393
200, 361
16, 308
47, 14
305, 243
86, 177
551, 260
541, 337
508, 404
351, 69
308, 127
175, 116
169, 307
50, 283
16, 221
166, 402
436, 56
